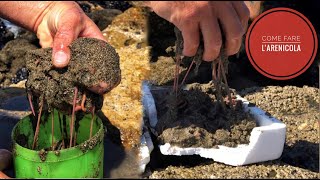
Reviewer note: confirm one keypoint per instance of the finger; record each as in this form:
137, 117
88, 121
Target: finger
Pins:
44, 36
67, 31
102, 87
190, 34
243, 12
232, 28
4, 176
5, 159
254, 8
211, 37
91, 30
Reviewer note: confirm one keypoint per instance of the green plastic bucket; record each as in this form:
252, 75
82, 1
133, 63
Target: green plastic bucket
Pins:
85, 160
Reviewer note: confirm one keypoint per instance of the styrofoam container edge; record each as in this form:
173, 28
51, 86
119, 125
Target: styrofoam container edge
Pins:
266, 140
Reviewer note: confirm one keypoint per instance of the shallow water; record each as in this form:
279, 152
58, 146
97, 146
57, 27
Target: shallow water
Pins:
11, 27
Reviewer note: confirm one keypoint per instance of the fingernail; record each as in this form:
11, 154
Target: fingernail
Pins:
60, 58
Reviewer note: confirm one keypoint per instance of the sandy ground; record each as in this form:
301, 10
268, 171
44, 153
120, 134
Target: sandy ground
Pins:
298, 109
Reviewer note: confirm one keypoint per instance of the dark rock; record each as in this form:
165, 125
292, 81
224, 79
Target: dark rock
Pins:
103, 18
121, 5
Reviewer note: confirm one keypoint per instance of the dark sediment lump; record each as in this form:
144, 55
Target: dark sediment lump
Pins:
92, 61
195, 119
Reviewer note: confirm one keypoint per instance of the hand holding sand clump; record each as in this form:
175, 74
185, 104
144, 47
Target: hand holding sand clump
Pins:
94, 65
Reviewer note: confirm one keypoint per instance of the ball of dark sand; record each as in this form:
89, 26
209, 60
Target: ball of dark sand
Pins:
92, 62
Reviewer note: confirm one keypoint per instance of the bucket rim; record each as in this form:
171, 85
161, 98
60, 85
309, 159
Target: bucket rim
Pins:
52, 156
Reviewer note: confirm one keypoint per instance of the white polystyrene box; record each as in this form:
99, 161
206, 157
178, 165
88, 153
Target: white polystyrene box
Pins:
266, 140
149, 112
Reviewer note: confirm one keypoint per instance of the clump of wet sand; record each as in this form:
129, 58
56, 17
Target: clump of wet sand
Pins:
196, 119
92, 61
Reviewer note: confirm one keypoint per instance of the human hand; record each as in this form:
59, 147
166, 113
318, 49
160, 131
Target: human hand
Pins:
5, 162
254, 8
62, 23
4, 176
57, 24
191, 18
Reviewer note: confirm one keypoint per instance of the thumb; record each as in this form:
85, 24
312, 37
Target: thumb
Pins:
67, 31
60, 49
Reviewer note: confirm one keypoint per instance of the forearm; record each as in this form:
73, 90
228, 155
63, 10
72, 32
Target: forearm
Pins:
27, 14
